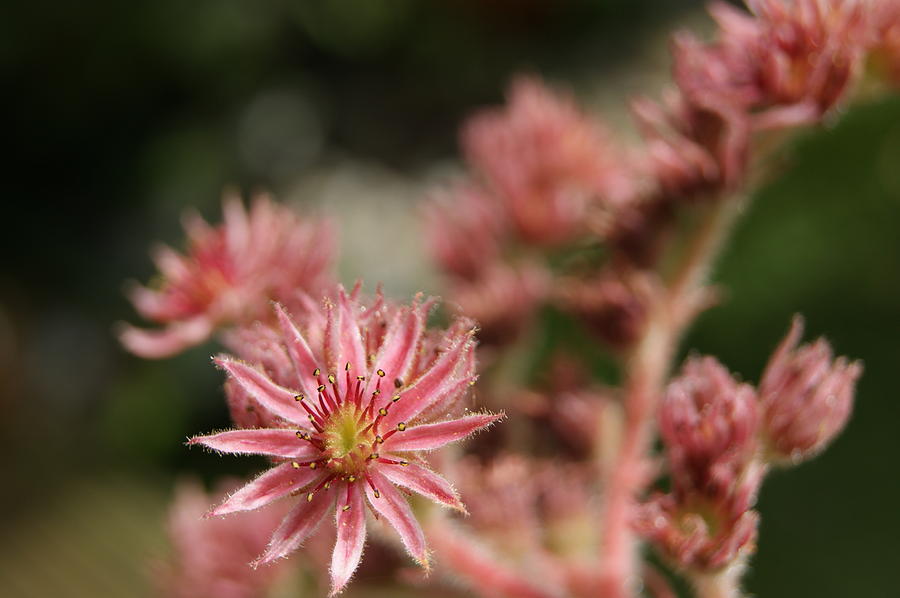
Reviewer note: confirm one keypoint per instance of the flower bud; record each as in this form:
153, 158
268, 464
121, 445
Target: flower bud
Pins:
806, 396
708, 422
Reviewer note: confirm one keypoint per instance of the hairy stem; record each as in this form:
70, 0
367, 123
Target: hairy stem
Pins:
647, 370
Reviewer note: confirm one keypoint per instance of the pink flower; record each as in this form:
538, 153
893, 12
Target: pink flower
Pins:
229, 274
464, 228
709, 424
546, 162
355, 427
806, 396
211, 555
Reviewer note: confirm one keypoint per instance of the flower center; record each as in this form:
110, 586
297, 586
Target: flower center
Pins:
348, 441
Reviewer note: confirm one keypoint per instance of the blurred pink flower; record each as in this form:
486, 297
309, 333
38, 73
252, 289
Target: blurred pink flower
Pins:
546, 162
797, 57
806, 396
229, 274
503, 300
355, 428
708, 422
884, 37
211, 556
464, 228
532, 530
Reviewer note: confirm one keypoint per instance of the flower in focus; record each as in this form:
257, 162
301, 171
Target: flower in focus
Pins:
545, 161
229, 273
708, 423
354, 425
806, 396
211, 555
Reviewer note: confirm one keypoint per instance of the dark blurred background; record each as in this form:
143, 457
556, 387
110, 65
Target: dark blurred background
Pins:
121, 115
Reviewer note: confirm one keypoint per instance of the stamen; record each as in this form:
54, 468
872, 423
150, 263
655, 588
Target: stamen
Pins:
398, 383
393, 461
401, 426
316, 372
372, 486
380, 373
332, 379
347, 367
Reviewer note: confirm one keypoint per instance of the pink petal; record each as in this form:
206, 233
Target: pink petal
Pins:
433, 385
275, 398
298, 348
391, 505
431, 436
398, 351
343, 342
236, 224
352, 350
273, 442
276, 482
151, 304
297, 526
425, 482
156, 344
351, 535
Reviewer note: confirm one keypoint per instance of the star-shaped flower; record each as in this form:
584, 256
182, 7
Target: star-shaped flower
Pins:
355, 429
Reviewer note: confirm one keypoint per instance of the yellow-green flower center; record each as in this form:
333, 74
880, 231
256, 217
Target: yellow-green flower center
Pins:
348, 441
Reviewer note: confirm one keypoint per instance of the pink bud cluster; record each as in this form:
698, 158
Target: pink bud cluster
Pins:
720, 436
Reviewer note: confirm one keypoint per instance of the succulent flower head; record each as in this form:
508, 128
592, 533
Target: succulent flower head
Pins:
353, 425
546, 162
708, 422
229, 274
806, 396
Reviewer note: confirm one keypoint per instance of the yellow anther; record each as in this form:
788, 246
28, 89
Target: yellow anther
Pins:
401, 426
382, 412
379, 439
376, 392
309, 497
404, 463
316, 372
373, 456
331, 378
360, 378
321, 388
295, 465
345, 508
351, 479
347, 367
395, 398
312, 465
380, 373
377, 493
299, 397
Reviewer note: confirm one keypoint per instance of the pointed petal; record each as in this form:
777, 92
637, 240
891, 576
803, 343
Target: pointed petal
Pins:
425, 482
157, 344
274, 483
236, 223
431, 436
391, 505
434, 384
296, 527
267, 441
352, 349
298, 349
351, 535
275, 398
398, 351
